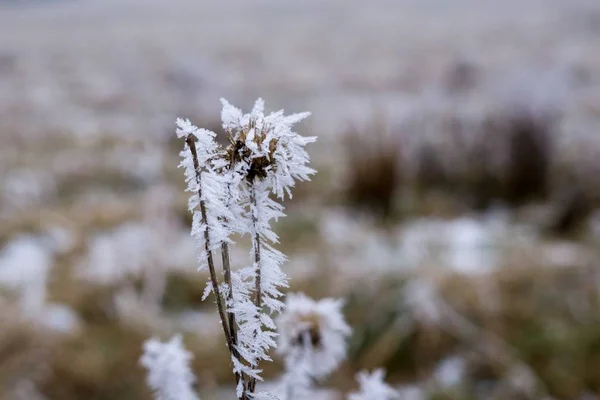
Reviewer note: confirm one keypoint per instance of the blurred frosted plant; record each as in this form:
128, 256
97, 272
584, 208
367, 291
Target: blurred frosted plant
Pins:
145, 250
25, 263
411, 392
450, 372
169, 374
25, 389
422, 297
373, 387
26, 188
236, 190
312, 340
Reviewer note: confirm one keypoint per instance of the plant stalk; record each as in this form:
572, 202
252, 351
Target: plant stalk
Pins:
227, 274
257, 280
211, 265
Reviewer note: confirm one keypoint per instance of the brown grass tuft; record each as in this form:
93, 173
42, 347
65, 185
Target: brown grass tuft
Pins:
373, 171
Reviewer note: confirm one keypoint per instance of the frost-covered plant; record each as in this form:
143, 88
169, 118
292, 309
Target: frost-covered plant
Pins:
312, 340
236, 191
169, 373
25, 263
372, 386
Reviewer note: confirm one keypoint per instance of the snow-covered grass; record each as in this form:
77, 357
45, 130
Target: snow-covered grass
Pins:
95, 255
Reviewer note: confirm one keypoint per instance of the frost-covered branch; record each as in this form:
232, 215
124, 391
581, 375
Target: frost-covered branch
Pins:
227, 276
202, 230
239, 189
267, 158
206, 231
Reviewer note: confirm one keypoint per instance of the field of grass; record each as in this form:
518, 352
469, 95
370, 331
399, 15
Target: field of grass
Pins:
455, 208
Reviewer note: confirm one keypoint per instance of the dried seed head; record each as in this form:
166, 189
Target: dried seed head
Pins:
239, 151
314, 332
310, 333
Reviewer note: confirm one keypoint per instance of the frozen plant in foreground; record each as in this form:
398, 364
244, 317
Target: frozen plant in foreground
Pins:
169, 374
312, 340
236, 190
373, 387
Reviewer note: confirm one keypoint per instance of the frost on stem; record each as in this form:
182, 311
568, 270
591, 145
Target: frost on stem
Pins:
238, 191
169, 374
312, 340
203, 165
266, 157
372, 386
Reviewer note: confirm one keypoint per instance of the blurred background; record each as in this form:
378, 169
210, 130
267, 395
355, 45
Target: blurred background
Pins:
455, 208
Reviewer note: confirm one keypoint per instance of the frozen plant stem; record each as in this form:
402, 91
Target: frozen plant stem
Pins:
238, 190
257, 278
226, 261
211, 265
258, 300
227, 273
231, 316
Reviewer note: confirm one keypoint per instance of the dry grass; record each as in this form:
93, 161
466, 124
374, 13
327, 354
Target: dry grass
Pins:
511, 160
23, 350
76, 121
546, 319
373, 174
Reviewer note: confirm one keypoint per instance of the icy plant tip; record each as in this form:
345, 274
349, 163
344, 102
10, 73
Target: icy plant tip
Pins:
237, 190
169, 374
372, 386
312, 340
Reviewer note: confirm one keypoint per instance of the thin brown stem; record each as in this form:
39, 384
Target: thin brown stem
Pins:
258, 299
211, 265
227, 274
231, 316
258, 272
